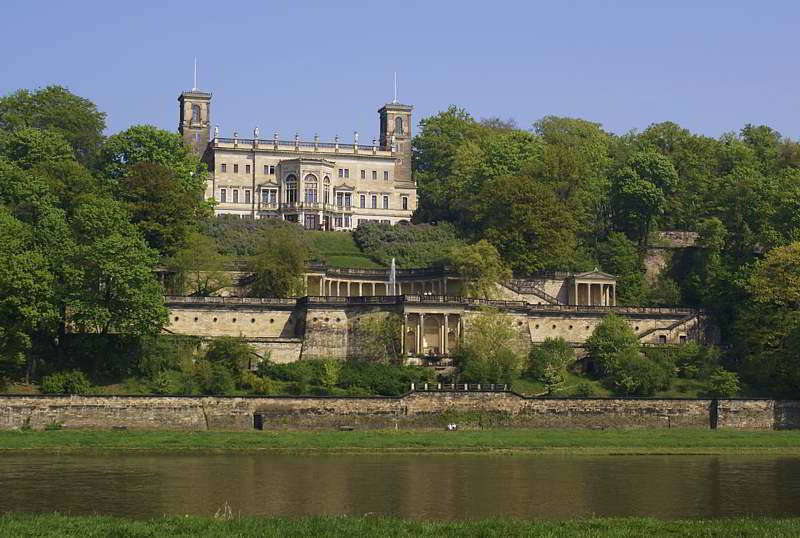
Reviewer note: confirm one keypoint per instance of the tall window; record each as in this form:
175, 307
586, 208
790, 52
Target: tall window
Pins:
291, 189
385, 175
405, 202
326, 190
386, 202
374, 174
266, 169
247, 169
235, 196
195, 113
341, 172
311, 189
374, 201
363, 201
247, 196
235, 168
363, 174
223, 195
398, 126
223, 167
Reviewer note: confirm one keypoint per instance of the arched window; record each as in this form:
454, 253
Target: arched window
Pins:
398, 126
326, 190
195, 113
311, 189
291, 189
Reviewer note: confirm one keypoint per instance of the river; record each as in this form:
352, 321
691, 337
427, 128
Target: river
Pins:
408, 486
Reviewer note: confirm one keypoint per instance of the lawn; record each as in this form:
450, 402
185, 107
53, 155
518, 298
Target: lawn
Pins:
55, 525
662, 441
338, 249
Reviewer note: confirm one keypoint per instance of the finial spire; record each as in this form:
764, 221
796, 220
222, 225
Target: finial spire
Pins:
395, 87
194, 87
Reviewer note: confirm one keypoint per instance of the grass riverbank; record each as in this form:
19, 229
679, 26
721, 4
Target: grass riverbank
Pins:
512, 440
89, 527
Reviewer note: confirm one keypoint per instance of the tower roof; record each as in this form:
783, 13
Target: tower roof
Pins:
396, 106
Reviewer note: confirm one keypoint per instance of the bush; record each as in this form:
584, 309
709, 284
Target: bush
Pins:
583, 389
232, 353
723, 384
69, 382
696, 361
419, 245
552, 354
610, 338
213, 378
636, 375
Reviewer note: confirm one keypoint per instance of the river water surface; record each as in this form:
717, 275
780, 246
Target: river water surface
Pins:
408, 486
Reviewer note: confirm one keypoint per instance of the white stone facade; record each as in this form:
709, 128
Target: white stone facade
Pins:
320, 185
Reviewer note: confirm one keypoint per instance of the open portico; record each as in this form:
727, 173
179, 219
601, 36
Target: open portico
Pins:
593, 288
432, 331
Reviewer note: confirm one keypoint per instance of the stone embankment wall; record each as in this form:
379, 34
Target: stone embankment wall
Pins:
415, 410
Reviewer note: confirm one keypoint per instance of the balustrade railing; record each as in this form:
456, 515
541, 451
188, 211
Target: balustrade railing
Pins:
461, 387
262, 142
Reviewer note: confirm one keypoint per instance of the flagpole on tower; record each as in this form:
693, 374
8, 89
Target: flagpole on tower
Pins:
395, 87
194, 87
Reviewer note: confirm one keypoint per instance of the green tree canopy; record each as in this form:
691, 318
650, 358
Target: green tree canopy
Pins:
279, 264
55, 109
145, 143
480, 268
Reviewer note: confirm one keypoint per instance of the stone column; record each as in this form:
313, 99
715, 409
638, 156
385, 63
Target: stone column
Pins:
614, 295
360, 288
445, 347
322, 285
577, 298
403, 350
305, 283
420, 339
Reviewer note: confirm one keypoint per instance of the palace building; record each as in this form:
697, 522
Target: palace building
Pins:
321, 185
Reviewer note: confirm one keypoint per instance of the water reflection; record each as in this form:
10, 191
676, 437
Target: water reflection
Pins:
413, 486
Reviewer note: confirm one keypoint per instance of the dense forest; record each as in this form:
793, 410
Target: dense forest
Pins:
85, 219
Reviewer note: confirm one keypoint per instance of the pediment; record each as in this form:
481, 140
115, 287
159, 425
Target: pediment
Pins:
343, 187
594, 275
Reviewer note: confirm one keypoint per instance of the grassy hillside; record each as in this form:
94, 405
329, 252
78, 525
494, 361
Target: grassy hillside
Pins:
338, 249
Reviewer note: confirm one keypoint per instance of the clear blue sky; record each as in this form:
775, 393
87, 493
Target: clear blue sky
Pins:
326, 67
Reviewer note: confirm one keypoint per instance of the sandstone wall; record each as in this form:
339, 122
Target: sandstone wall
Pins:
415, 410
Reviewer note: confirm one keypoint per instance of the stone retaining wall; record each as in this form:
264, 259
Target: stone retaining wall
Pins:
414, 410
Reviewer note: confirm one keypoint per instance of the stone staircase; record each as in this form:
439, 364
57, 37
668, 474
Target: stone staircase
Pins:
529, 287
672, 326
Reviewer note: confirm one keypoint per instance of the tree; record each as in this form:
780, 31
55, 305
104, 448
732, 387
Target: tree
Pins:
767, 330
610, 338
199, 268
492, 349
232, 353
160, 206
279, 264
620, 256
530, 228
636, 375
638, 192
480, 268
145, 143
27, 294
723, 384
378, 336
548, 362
35, 147
54, 108
112, 286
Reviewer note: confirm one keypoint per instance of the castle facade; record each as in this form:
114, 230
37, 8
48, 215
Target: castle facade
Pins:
320, 185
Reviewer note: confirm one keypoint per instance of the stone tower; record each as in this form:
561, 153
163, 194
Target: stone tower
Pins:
195, 119
396, 122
